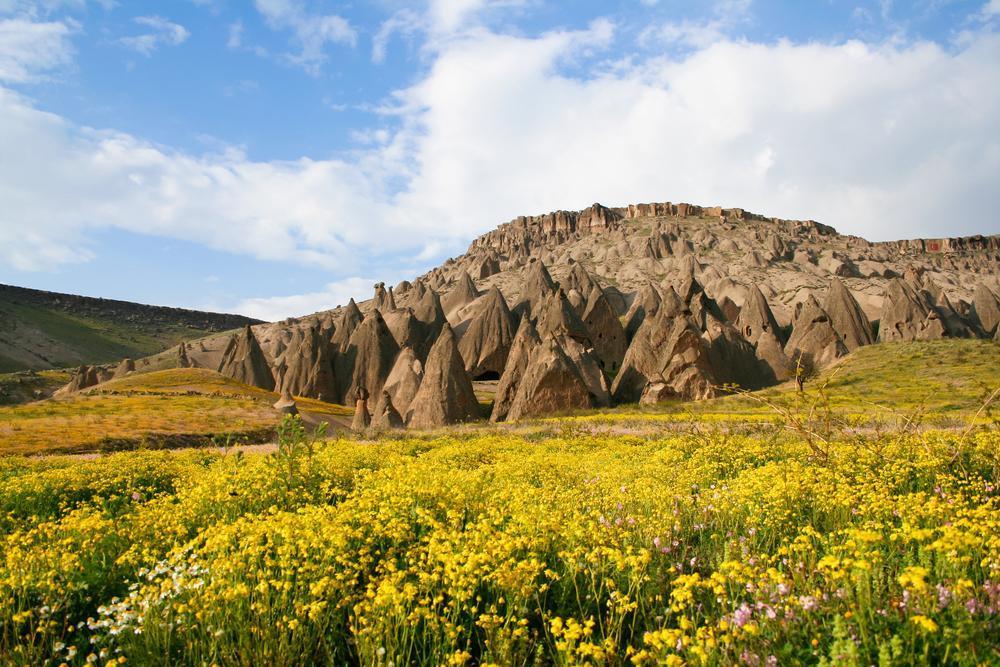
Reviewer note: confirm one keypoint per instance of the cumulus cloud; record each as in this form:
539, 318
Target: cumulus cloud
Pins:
280, 307
161, 32
312, 32
882, 140
30, 50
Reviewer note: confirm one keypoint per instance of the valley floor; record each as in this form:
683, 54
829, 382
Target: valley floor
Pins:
765, 529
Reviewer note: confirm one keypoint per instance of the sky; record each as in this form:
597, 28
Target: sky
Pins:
277, 157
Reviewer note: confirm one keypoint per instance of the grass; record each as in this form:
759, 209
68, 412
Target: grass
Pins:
21, 387
944, 382
61, 339
165, 408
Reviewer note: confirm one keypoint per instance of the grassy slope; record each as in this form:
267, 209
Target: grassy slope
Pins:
171, 407
21, 387
944, 381
40, 336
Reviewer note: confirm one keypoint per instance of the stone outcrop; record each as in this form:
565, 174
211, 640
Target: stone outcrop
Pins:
551, 383
645, 304
579, 280
183, 361
306, 367
429, 312
555, 317
486, 341
445, 395
906, 316
538, 284
986, 307
84, 377
286, 404
732, 358
814, 342
124, 368
525, 341
606, 332
462, 294
350, 318
589, 368
368, 358
244, 360
384, 299
847, 317
404, 379
756, 323
362, 418
386, 416
668, 358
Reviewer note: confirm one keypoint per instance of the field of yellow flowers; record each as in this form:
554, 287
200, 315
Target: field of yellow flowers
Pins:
712, 546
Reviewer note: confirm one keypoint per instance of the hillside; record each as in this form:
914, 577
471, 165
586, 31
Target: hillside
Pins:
645, 303
43, 330
184, 407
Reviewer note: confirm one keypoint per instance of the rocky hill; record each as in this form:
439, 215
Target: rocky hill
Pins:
572, 310
42, 330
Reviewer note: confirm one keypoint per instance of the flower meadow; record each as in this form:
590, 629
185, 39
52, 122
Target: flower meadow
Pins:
490, 547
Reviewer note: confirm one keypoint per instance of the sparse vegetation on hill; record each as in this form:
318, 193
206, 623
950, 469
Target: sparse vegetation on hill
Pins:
43, 330
171, 408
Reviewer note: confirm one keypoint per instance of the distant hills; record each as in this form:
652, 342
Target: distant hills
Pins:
42, 330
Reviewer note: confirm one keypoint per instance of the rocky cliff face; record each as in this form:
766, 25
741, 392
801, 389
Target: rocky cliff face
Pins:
645, 302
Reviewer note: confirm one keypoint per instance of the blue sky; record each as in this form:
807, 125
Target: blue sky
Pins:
275, 157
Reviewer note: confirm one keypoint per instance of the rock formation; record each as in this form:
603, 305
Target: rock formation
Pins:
906, 316
462, 294
429, 312
537, 285
362, 418
350, 318
404, 379
814, 342
182, 356
757, 324
555, 317
486, 341
986, 307
847, 317
525, 341
386, 416
286, 404
668, 358
243, 360
445, 395
606, 332
124, 368
384, 299
551, 383
306, 368
645, 304
368, 358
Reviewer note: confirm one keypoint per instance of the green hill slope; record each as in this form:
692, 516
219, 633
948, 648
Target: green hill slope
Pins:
42, 330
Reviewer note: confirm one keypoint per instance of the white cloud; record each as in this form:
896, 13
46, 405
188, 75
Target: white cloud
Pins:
163, 32
312, 31
235, 38
726, 16
280, 307
884, 141
439, 21
29, 50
